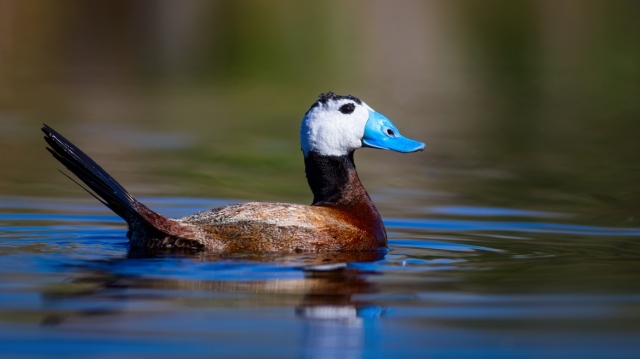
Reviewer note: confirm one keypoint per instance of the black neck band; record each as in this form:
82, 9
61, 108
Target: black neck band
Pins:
328, 176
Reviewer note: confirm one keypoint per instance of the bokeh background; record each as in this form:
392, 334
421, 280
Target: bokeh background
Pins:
527, 104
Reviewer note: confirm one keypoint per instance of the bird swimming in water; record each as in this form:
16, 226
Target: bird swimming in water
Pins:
342, 216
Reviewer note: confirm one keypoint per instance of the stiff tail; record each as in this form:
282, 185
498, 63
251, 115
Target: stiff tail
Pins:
107, 189
146, 227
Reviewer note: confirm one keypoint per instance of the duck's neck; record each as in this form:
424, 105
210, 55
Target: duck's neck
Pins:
335, 183
333, 179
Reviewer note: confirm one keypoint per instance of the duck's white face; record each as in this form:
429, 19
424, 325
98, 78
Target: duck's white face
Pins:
337, 125
334, 127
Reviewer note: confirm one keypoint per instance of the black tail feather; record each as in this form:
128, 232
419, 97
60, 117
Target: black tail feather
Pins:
84, 188
146, 227
109, 191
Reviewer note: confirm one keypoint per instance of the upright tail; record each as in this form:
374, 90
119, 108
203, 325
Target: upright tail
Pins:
108, 191
146, 227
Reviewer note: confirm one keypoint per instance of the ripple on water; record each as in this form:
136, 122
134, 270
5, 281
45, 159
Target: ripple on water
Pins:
445, 246
493, 212
506, 226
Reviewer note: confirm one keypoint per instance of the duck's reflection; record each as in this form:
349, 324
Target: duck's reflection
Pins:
336, 322
325, 293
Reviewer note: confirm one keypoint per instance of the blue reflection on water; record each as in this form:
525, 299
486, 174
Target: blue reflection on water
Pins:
523, 227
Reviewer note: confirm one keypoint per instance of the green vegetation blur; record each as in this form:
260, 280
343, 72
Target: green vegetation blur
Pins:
516, 100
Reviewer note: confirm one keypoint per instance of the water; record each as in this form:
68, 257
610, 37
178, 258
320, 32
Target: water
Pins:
515, 234
468, 282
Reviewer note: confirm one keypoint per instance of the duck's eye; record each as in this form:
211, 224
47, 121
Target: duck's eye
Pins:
390, 132
347, 108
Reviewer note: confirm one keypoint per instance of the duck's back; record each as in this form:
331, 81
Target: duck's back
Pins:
279, 227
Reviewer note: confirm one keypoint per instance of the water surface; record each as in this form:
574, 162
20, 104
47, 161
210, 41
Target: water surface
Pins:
467, 281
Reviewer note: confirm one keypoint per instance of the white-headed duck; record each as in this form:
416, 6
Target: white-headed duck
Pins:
342, 216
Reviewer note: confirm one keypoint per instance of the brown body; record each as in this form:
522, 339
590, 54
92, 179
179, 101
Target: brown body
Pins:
350, 224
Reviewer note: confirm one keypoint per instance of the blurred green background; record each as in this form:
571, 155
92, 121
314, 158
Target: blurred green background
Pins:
530, 104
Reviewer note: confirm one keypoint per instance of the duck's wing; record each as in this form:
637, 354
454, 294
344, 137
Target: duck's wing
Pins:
265, 212
272, 227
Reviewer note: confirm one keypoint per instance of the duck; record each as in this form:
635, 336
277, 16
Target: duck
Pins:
342, 216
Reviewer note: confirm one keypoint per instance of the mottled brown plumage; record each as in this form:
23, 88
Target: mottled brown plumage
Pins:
351, 224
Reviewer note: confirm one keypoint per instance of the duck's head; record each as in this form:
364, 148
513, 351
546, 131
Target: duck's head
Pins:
338, 125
